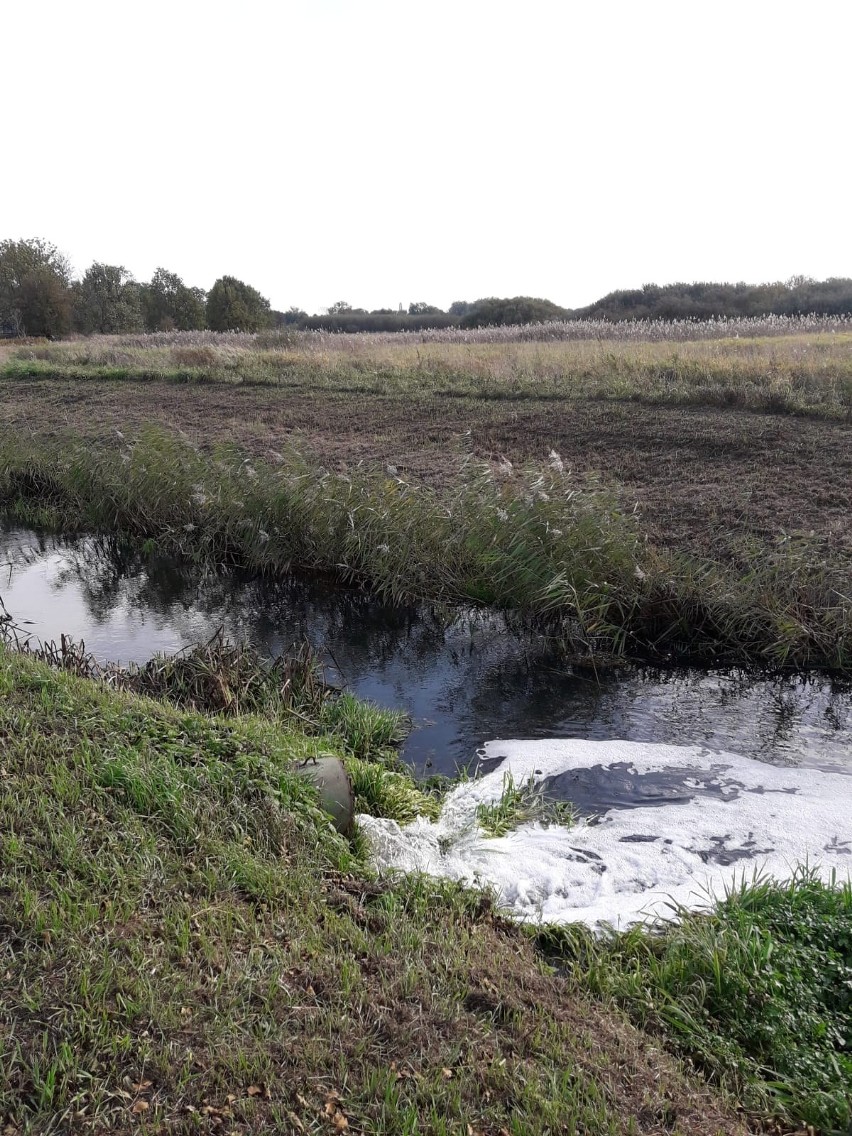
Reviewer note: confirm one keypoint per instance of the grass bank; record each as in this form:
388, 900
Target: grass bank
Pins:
554, 547
757, 994
187, 945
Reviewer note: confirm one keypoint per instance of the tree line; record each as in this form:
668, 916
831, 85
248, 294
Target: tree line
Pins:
40, 297
800, 295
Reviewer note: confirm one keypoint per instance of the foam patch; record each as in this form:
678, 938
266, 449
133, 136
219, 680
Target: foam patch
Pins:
690, 823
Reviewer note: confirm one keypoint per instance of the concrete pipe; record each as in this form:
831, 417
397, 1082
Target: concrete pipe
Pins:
334, 788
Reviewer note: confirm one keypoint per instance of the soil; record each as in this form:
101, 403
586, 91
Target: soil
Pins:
704, 479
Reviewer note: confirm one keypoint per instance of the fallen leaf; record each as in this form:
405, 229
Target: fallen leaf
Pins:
142, 1086
448, 1073
294, 1120
140, 1106
254, 1090
340, 1122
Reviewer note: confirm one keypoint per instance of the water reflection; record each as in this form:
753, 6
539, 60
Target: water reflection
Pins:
465, 677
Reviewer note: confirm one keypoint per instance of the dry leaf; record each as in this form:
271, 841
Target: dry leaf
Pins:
254, 1090
140, 1106
294, 1120
448, 1073
142, 1086
340, 1122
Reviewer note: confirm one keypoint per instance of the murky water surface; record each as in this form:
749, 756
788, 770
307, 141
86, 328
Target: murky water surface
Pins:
464, 677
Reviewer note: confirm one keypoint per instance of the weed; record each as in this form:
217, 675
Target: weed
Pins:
520, 803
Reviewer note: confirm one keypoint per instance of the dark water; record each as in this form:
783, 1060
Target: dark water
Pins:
464, 677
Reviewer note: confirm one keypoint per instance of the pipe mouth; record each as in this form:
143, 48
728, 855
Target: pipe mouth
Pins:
334, 788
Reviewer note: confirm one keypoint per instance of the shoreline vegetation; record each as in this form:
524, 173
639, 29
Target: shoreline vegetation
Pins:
556, 549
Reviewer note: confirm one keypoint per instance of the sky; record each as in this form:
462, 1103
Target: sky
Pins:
387, 152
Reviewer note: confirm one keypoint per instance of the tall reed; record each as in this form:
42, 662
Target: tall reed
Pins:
539, 541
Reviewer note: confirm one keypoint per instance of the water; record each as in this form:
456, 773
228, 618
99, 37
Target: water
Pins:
464, 677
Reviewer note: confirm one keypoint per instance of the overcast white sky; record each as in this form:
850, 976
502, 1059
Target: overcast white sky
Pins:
384, 151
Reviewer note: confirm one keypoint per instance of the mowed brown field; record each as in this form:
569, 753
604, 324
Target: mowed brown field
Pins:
704, 478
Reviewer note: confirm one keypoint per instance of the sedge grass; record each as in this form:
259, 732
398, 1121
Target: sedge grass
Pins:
522, 802
555, 548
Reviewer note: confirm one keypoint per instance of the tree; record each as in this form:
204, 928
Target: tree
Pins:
106, 300
514, 310
460, 307
339, 308
35, 280
235, 306
169, 304
290, 318
423, 309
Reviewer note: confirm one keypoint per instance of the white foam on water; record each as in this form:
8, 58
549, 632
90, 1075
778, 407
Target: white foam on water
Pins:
745, 817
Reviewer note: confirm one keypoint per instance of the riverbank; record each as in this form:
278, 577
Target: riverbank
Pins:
188, 942
555, 548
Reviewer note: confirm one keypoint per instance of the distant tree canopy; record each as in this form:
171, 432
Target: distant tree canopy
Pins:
35, 282
235, 306
39, 297
106, 300
460, 308
798, 296
382, 319
519, 309
293, 317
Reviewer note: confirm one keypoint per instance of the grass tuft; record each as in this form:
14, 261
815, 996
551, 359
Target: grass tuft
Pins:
521, 803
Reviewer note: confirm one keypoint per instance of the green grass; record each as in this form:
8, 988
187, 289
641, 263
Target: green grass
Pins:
757, 994
228, 679
556, 548
521, 803
187, 945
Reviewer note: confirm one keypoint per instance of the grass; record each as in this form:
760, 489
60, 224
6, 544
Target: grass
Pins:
233, 680
187, 945
754, 368
521, 803
757, 994
556, 548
